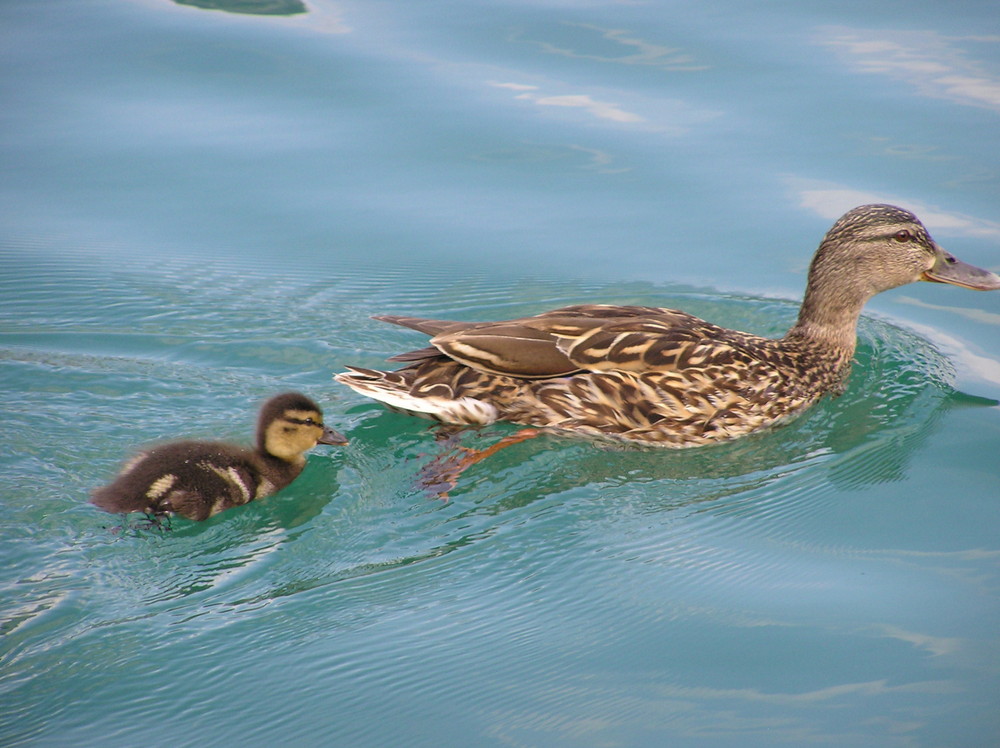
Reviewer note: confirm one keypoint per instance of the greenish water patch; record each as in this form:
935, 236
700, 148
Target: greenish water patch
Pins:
251, 7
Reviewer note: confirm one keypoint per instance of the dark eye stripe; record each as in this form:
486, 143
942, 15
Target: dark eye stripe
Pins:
303, 421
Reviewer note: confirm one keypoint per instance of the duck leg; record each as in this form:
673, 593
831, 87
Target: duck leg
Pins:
442, 473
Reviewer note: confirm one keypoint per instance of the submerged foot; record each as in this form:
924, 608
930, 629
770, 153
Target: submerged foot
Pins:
441, 474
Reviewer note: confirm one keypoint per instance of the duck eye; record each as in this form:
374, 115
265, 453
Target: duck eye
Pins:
902, 236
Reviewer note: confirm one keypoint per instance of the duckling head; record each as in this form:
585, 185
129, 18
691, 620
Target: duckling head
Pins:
290, 425
873, 248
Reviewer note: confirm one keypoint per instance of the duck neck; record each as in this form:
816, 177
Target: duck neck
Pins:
285, 459
281, 469
829, 315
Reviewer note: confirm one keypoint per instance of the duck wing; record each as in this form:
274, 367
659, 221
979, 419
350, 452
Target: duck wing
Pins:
524, 348
586, 337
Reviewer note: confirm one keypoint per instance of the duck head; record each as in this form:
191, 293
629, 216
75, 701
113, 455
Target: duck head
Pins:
291, 424
883, 246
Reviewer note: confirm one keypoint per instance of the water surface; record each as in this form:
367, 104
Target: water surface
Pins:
203, 208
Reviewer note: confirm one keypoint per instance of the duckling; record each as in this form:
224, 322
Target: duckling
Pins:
661, 377
197, 479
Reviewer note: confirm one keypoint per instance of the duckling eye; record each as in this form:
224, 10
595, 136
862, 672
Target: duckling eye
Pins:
903, 236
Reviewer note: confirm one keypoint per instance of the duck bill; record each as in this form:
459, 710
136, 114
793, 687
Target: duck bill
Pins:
949, 269
332, 437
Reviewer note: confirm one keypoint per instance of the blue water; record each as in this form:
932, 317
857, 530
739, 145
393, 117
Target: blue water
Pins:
201, 208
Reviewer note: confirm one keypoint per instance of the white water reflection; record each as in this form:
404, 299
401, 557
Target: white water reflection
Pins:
971, 313
973, 362
936, 65
599, 109
713, 716
830, 201
669, 117
934, 645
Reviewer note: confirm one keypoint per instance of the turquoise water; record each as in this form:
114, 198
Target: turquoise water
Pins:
202, 208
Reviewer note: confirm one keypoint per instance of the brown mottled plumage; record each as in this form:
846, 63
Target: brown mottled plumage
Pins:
197, 479
661, 376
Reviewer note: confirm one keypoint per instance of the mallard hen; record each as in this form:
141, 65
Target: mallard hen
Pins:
660, 376
197, 479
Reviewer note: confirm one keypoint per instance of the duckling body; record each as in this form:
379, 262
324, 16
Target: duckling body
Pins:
197, 479
660, 376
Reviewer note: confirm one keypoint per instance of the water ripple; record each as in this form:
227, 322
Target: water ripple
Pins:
353, 573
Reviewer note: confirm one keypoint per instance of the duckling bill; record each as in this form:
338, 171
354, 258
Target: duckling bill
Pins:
198, 479
662, 377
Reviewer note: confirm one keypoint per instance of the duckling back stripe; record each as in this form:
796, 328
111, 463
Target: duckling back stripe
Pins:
233, 478
160, 486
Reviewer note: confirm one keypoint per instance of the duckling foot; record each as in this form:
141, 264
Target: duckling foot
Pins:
441, 474
158, 522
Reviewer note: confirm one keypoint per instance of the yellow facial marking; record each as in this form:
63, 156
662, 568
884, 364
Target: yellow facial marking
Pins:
289, 438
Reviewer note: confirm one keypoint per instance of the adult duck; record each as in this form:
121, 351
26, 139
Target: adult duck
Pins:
662, 377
